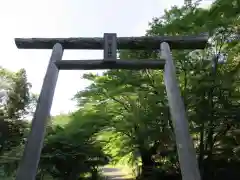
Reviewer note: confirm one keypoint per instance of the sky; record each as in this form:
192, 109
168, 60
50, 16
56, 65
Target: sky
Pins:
69, 18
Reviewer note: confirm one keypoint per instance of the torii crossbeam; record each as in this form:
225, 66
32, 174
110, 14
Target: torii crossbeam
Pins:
110, 43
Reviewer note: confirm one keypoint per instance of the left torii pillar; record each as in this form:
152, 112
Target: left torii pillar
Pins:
32, 152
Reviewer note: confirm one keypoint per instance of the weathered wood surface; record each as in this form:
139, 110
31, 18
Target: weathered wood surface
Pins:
110, 64
97, 43
31, 156
110, 46
186, 151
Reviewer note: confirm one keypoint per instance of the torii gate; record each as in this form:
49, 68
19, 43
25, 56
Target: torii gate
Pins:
110, 43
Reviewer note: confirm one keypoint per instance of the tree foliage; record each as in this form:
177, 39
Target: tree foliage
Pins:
137, 102
14, 102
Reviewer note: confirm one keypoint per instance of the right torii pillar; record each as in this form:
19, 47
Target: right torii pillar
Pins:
186, 152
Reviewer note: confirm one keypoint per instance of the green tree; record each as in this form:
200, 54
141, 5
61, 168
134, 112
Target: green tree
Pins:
13, 107
136, 100
15, 99
71, 151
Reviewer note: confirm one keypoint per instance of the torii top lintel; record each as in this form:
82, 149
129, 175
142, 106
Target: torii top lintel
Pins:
135, 43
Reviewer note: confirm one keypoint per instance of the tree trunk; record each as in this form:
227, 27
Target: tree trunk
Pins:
147, 164
94, 174
201, 149
74, 173
209, 144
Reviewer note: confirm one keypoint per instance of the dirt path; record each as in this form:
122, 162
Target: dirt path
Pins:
114, 173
